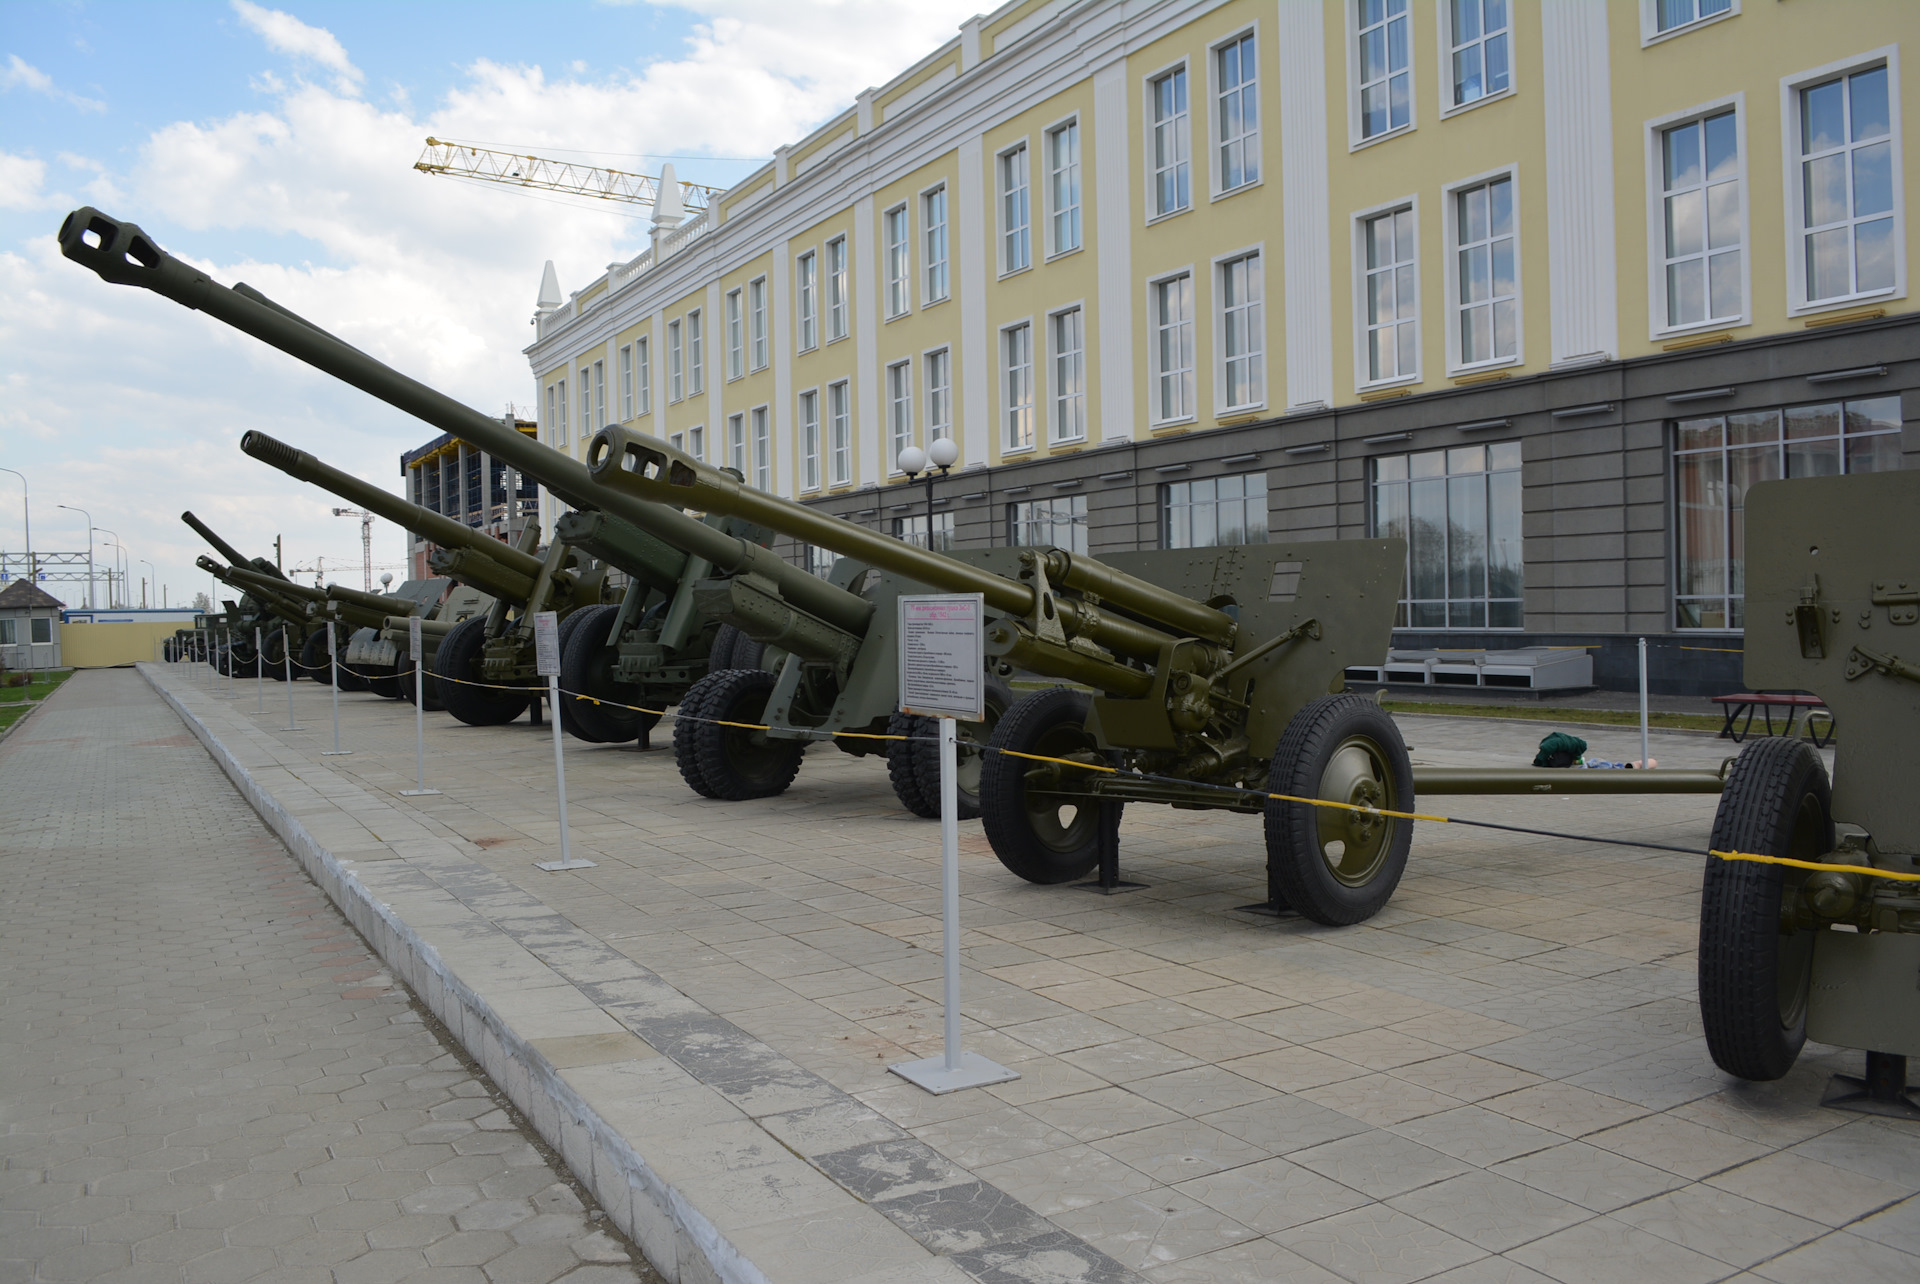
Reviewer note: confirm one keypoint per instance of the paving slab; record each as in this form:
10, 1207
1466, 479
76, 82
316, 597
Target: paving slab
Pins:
1500, 1070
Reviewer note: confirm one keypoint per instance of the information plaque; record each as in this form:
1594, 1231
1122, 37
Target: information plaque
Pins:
414, 649
941, 673
546, 644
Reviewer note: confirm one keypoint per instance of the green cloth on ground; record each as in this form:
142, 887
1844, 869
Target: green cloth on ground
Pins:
1559, 750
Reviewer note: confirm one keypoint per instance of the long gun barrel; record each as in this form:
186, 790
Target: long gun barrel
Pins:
368, 610
122, 254
233, 555
272, 595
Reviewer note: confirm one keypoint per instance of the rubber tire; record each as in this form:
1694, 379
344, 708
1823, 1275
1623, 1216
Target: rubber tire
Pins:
686, 723
351, 679
733, 764
1297, 869
913, 765
733, 649
586, 665
276, 653
475, 706
1051, 722
1778, 802
384, 679
430, 689
313, 658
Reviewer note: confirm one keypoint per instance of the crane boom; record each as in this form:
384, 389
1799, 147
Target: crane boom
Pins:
462, 161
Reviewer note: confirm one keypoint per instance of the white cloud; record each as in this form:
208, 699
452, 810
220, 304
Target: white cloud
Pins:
20, 180
20, 74
286, 34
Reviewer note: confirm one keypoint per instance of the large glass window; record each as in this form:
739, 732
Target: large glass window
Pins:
1069, 376
1016, 378
1242, 331
939, 394
1846, 187
643, 360
1459, 511
810, 440
626, 382
1213, 511
762, 449
1488, 284
806, 285
1172, 175
696, 355
1063, 185
899, 259
1481, 54
1670, 14
1173, 349
1700, 171
736, 337
1060, 522
1715, 460
676, 378
1393, 297
913, 530
757, 322
1385, 83
933, 223
1016, 213
840, 432
837, 288
899, 410
1237, 103
737, 444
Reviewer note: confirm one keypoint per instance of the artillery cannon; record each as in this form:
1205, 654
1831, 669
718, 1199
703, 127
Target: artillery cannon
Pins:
259, 607
1789, 954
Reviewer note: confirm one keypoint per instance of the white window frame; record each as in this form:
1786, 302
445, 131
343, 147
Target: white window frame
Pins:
1074, 212
1446, 50
937, 272
757, 323
643, 377
1155, 374
696, 354
557, 412
1015, 159
1257, 358
676, 364
896, 248
838, 300
761, 419
806, 300
1362, 365
1062, 405
737, 442
1449, 231
585, 398
1656, 129
807, 413
900, 429
1182, 127
1790, 86
1650, 33
626, 382
840, 431
1015, 379
599, 393
697, 442
939, 392
1253, 138
736, 337
1355, 118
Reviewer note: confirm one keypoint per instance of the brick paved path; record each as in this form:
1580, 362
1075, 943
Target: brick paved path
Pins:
204, 1074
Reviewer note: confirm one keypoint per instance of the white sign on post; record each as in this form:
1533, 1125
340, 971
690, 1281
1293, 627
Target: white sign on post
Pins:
546, 644
419, 789
546, 660
942, 671
414, 650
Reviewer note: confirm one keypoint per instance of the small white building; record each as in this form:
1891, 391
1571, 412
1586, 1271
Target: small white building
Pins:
29, 626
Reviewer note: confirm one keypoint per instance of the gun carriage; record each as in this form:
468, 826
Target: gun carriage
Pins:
263, 606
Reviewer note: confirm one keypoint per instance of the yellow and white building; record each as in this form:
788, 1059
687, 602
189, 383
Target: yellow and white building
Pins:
1540, 284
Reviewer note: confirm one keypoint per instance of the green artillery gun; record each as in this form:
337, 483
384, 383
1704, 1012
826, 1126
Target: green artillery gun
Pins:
1789, 954
266, 609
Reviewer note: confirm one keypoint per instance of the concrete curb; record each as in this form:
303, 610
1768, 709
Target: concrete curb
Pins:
593, 1149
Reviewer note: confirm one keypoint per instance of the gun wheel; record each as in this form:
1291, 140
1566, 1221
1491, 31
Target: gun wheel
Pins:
1336, 866
733, 649
587, 660
313, 658
732, 762
1038, 832
1755, 966
913, 764
455, 664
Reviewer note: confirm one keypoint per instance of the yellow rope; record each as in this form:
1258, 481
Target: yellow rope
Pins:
1868, 870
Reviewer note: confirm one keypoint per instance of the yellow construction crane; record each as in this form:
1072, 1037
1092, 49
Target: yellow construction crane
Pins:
462, 161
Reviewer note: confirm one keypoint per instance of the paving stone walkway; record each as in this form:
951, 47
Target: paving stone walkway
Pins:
204, 1075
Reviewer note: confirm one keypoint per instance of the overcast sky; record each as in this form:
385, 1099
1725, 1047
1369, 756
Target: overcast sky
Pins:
275, 147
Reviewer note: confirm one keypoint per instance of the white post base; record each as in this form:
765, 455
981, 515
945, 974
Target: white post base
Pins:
975, 1072
554, 866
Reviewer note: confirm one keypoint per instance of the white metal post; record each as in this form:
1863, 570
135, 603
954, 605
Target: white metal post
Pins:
950, 878
260, 676
286, 646
1645, 760
419, 789
546, 641
333, 666
232, 680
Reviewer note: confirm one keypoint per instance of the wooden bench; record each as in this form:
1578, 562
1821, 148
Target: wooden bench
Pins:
1747, 703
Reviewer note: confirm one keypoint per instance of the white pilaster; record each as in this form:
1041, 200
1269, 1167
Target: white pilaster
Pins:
972, 248
1113, 248
1308, 252
866, 327
786, 470
710, 340
1582, 282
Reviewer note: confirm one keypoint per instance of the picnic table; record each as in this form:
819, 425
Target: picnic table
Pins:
1748, 703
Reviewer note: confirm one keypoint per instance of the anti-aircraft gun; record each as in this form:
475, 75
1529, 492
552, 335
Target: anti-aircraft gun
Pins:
1786, 953
264, 607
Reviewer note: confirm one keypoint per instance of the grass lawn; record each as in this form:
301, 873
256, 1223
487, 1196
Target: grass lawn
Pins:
17, 702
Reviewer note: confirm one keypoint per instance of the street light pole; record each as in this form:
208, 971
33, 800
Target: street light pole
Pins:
72, 508
154, 578
943, 454
26, 521
113, 543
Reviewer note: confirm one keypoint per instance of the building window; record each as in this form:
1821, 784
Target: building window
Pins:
586, 401
837, 288
626, 382
939, 395
933, 221
697, 442
1069, 375
1173, 349
806, 269
1049, 523
1214, 511
913, 530
1488, 298
818, 561
1392, 296
696, 357
1237, 115
599, 395
557, 412
1670, 15
1063, 186
840, 432
8, 634
762, 449
1385, 77
1242, 331
736, 337
899, 260
899, 409
642, 352
1459, 511
1172, 176
1701, 225
676, 378
737, 444
1016, 214
1016, 351
1480, 58
757, 322
1717, 458
810, 440
39, 630
1846, 189
678, 440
